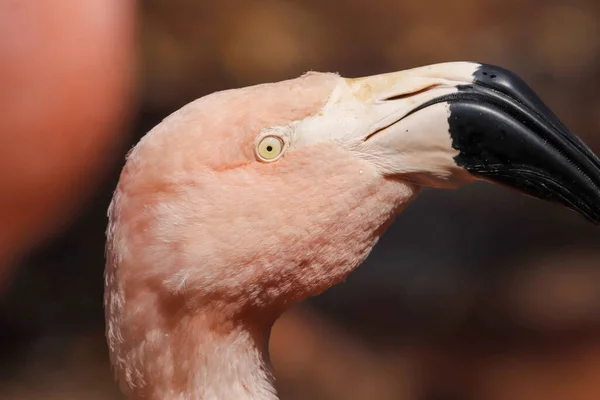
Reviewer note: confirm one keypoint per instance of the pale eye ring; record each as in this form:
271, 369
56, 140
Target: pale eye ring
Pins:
269, 148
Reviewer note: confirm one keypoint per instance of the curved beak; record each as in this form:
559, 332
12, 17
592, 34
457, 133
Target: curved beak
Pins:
507, 135
484, 120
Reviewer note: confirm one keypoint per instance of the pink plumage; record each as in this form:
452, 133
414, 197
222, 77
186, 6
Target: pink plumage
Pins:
211, 236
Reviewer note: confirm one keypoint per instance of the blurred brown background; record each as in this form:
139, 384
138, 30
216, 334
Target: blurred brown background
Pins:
476, 294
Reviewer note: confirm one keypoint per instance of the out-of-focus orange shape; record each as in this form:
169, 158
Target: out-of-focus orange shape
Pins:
66, 70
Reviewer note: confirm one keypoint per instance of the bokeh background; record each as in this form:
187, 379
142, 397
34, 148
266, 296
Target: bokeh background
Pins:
475, 294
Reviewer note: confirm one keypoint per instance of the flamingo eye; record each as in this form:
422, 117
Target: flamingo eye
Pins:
269, 149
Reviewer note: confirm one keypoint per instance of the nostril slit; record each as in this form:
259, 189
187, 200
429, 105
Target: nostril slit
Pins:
406, 95
492, 76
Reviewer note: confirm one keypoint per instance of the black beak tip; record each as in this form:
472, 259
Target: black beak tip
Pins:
507, 135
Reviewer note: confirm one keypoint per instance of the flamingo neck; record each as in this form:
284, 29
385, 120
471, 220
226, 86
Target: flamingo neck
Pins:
197, 360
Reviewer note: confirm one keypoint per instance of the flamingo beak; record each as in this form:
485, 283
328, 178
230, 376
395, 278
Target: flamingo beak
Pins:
494, 127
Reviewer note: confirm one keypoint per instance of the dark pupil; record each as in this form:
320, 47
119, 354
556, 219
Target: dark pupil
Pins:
269, 148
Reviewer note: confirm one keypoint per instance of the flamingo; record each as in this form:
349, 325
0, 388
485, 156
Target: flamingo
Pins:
247, 201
